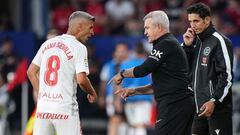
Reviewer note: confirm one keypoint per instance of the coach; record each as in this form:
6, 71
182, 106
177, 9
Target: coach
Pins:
168, 65
210, 58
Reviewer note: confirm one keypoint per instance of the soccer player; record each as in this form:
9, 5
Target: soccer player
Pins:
112, 103
61, 63
137, 108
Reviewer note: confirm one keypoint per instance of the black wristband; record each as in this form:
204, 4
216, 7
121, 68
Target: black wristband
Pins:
121, 73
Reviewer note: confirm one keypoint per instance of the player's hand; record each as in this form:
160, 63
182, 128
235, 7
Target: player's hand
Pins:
189, 36
116, 79
125, 93
207, 109
92, 98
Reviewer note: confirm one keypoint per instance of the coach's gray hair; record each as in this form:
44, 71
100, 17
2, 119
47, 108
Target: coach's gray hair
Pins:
158, 17
81, 14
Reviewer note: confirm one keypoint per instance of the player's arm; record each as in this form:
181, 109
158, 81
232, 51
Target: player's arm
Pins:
86, 86
102, 90
32, 73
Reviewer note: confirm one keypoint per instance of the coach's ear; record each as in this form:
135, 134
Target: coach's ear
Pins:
207, 20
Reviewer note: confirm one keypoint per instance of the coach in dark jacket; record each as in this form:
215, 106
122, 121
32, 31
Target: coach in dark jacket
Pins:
168, 66
210, 59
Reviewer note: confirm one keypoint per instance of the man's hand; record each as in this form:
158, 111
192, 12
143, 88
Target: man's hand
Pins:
189, 36
92, 98
125, 93
117, 79
207, 109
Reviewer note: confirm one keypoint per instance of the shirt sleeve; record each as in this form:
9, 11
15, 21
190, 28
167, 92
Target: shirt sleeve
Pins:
81, 61
104, 73
223, 67
155, 59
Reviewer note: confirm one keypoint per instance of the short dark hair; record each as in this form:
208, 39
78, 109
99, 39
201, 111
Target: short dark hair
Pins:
199, 8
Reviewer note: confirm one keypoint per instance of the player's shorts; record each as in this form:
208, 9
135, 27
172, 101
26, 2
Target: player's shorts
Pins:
60, 124
175, 118
110, 108
217, 124
138, 113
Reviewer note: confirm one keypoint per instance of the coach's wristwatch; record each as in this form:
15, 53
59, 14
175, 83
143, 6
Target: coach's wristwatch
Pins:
213, 100
121, 73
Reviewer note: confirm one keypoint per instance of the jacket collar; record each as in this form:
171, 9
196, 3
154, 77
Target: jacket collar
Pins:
160, 38
207, 32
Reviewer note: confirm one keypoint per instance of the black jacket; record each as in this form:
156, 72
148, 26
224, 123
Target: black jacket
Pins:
210, 63
168, 65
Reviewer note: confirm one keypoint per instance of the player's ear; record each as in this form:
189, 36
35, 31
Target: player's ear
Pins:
79, 26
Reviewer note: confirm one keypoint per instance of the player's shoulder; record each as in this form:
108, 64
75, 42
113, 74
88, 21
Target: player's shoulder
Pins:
50, 40
73, 42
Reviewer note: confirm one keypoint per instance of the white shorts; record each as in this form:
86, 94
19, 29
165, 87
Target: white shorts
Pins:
110, 109
60, 124
138, 113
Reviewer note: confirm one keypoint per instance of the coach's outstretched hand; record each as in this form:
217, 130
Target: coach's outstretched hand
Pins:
126, 92
92, 98
116, 79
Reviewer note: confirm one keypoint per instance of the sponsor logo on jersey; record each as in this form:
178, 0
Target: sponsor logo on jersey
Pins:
40, 115
50, 96
156, 53
217, 131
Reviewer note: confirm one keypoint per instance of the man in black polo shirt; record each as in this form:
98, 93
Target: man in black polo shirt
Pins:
168, 65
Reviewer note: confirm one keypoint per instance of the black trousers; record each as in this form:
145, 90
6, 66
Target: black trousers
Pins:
217, 124
175, 118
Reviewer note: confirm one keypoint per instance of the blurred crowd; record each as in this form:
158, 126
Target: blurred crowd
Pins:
113, 18
124, 17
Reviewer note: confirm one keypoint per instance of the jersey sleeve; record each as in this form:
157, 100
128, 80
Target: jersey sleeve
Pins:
104, 73
81, 61
154, 60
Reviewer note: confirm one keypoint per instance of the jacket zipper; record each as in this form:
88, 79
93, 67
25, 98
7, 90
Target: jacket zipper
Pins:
211, 88
195, 78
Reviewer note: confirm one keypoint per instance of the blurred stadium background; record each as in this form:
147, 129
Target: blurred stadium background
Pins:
25, 23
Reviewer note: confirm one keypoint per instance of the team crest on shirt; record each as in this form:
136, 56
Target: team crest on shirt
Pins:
204, 61
206, 51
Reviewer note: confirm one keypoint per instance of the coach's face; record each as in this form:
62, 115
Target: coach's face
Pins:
197, 23
151, 30
86, 30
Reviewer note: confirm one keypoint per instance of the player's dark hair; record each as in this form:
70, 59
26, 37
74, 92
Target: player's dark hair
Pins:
121, 44
199, 8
